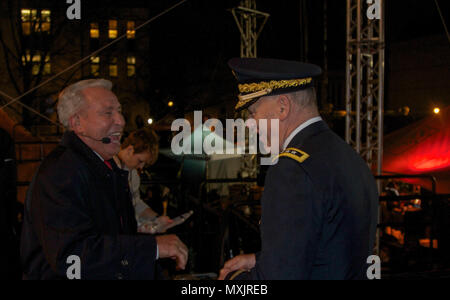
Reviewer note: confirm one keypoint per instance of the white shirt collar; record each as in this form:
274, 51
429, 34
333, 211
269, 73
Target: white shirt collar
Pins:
300, 128
99, 155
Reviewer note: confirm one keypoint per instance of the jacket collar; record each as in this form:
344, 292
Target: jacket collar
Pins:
73, 142
300, 128
308, 132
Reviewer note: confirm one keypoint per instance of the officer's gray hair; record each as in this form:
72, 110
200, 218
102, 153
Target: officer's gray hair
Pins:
305, 99
71, 100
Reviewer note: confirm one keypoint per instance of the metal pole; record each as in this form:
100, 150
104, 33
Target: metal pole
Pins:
324, 90
380, 99
381, 90
348, 77
358, 79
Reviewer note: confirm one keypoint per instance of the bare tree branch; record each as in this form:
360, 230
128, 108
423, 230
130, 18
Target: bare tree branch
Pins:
8, 67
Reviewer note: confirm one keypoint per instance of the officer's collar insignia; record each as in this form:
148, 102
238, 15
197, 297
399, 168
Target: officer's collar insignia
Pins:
295, 154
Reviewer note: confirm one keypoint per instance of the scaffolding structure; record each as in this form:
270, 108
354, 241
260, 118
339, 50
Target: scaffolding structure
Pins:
365, 84
250, 22
365, 79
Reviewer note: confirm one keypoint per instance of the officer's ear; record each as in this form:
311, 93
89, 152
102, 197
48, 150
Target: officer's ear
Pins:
284, 107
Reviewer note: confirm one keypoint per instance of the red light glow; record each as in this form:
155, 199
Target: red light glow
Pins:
421, 148
426, 164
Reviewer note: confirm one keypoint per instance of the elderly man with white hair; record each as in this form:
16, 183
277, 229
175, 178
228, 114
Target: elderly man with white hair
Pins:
79, 220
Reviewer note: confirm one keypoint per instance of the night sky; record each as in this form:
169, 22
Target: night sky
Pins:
191, 45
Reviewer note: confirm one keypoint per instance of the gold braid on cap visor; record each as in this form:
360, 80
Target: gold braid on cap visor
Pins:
263, 88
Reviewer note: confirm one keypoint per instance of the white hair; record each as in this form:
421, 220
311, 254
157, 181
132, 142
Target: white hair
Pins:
71, 100
305, 98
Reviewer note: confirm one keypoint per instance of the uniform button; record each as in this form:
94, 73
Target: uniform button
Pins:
124, 263
119, 276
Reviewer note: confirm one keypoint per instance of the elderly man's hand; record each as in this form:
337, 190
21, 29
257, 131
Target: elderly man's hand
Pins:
170, 246
240, 262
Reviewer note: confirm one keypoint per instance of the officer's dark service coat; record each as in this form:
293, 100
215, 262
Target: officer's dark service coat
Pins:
319, 211
77, 206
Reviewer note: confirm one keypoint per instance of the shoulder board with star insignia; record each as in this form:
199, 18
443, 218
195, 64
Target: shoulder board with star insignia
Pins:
295, 154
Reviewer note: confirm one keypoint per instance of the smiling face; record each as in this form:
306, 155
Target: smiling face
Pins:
100, 117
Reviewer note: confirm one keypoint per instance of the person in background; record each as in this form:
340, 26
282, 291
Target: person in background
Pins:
138, 149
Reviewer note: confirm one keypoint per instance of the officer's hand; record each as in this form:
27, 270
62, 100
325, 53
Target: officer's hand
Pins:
170, 246
240, 262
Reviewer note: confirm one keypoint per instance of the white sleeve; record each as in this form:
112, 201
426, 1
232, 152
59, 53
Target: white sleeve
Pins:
138, 203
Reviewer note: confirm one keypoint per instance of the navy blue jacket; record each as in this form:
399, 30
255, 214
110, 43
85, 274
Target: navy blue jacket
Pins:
76, 205
319, 211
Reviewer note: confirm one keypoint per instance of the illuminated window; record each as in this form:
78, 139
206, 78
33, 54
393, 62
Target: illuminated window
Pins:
35, 21
26, 15
26, 58
130, 30
95, 66
131, 66
26, 20
112, 32
47, 66
35, 62
45, 20
95, 32
113, 71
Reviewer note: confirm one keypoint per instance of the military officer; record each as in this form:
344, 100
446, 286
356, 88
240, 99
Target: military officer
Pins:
320, 202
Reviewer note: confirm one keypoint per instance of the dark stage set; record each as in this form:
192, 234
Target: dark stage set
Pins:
167, 59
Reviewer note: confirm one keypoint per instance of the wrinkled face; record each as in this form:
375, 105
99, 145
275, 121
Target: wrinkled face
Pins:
101, 117
264, 109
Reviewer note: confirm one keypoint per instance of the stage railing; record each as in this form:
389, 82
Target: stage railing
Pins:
432, 199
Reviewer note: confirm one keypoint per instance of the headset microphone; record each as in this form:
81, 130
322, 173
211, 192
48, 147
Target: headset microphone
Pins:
105, 140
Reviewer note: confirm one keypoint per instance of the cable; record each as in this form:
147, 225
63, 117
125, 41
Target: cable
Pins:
442, 19
92, 54
33, 110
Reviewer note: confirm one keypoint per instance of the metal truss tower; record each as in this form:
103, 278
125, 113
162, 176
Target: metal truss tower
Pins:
250, 23
365, 83
365, 79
